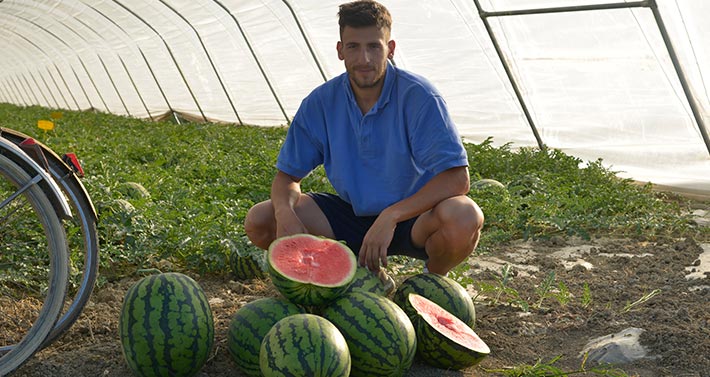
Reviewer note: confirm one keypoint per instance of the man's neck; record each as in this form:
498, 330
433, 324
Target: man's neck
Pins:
366, 98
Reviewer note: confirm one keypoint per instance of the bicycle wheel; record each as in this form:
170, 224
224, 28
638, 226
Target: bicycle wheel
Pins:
33, 265
83, 243
82, 236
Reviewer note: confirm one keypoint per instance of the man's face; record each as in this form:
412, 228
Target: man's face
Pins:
365, 51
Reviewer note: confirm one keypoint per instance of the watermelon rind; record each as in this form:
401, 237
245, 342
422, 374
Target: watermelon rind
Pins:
380, 336
438, 350
166, 326
442, 290
246, 267
309, 293
248, 326
304, 345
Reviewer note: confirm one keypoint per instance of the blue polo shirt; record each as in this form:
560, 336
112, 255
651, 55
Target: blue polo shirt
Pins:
377, 159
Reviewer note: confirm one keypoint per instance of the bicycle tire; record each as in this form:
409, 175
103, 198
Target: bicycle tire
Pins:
84, 214
58, 274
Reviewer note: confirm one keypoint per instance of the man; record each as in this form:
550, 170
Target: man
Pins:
391, 152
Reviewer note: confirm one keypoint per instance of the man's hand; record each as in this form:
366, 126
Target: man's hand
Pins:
373, 252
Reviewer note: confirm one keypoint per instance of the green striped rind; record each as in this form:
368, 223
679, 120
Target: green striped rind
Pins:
380, 337
248, 327
304, 345
166, 326
367, 281
309, 294
442, 290
246, 267
439, 351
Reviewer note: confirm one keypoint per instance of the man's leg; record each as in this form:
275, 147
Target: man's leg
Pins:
260, 223
449, 232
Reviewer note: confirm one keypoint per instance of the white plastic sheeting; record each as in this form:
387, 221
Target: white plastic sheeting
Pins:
597, 84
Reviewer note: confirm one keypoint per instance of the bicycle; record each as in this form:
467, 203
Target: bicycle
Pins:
39, 189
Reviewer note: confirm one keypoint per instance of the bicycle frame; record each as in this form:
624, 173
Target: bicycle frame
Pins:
53, 192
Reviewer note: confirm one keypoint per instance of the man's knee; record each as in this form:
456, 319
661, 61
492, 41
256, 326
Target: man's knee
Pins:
462, 215
259, 224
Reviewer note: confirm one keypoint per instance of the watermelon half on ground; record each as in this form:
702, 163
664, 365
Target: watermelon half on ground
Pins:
443, 340
310, 270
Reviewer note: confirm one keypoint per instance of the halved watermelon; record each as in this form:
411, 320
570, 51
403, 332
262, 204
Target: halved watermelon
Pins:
310, 270
443, 340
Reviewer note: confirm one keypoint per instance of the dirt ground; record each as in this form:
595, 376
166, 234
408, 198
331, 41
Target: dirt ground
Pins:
618, 272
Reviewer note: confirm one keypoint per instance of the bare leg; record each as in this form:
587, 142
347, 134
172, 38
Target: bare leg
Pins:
260, 223
449, 232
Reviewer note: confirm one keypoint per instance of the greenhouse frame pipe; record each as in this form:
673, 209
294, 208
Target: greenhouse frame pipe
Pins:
681, 74
305, 39
41, 92
91, 79
9, 95
18, 91
653, 6
509, 73
145, 59
29, 87
256, 59
170, 52
209, 59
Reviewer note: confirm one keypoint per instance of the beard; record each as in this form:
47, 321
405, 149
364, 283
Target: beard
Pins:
366, 81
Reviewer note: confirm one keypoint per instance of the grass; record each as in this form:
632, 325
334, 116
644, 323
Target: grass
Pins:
201, 179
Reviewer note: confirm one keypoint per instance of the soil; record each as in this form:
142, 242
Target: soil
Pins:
618, 272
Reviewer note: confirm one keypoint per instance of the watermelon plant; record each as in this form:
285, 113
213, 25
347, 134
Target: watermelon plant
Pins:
310, 270
304, 345
440, 289
249, 326
166, 326
380, 336
444, 341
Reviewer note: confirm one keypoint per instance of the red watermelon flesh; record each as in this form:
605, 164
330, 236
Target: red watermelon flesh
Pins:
447, 324
311, 259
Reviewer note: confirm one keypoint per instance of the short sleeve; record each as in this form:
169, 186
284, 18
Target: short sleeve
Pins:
436, 144
302, 151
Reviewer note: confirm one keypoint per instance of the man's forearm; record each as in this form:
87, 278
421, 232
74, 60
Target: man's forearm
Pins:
447, 184
285, 192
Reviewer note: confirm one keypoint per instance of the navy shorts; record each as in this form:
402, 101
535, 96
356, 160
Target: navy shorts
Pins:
351, 228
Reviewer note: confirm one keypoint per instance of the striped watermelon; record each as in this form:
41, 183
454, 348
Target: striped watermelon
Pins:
444, 291
310, 270
444, 341
246, 267
368, 281
380, 337
166, 326
304, 345
248, 327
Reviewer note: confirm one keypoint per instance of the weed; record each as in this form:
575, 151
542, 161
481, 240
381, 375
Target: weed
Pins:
630, 306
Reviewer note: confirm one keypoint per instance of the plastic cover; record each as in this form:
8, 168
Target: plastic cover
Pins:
597, 84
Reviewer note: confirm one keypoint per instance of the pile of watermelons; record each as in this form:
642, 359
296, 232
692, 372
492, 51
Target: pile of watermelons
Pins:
333, 319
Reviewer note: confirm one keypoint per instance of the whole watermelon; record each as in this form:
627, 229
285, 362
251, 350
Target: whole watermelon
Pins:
246, 266
380, 336
304, 345
442, 290
248, 327
310, 270
166, 326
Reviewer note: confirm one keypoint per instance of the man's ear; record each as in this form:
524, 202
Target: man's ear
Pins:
391, 45
339, 47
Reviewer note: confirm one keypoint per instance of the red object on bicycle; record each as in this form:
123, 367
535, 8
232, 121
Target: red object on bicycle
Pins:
73, 162
34, 150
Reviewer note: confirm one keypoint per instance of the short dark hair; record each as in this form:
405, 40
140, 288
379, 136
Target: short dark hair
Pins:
363, 13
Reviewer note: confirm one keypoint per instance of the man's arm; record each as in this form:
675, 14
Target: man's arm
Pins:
285, 193
447, 184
